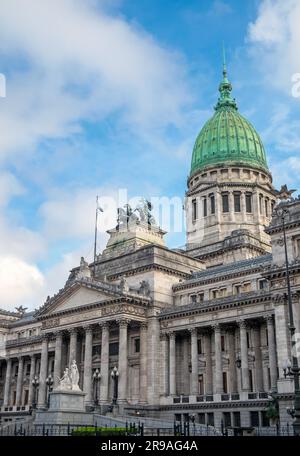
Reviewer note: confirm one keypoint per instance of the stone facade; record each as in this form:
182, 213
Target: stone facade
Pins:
186, 339
198, 331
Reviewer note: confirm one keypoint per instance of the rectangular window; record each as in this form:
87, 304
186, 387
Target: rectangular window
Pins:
251, 380
237, 419
265, 422
137, 345
223, 343
201, 297
260, 203
114, 348
248, 340
254, 419
214, 294
267, 207
96, 351
237, 202
248, 197
212, 204
225, 202
200, 384
210, 419
237, 289
204, 207
201, 418
193, 299
227, 419
199, 346
263, 284
225, 382
194, 209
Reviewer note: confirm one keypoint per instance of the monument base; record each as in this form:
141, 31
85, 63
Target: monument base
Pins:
65, 407
66, 401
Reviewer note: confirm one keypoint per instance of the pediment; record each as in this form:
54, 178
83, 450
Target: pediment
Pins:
76, 297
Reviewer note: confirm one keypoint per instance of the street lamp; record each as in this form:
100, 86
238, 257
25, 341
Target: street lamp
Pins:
35, 383
290, 368
49, 383
96, 381
115, 377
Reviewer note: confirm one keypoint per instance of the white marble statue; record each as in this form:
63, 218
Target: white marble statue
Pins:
74, 376
65, 382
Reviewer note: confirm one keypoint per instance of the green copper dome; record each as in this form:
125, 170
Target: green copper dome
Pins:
228, 138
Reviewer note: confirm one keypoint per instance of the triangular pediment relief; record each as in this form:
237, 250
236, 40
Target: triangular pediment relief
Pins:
78, 294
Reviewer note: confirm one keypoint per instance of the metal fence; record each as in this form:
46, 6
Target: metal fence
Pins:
138, 429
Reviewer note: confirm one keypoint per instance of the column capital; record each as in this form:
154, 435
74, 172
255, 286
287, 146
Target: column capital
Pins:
72, 330
163, 336
193, 331
20, 358
216, 327
58, 333
45, 337
143, 326
32, 356
243, 324
123, 323
269, 319
88, 329
231, 329
104, 325
171, 335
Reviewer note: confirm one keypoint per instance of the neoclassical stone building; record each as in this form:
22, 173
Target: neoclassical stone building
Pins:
198, 331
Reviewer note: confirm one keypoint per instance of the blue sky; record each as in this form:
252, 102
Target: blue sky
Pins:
110, 94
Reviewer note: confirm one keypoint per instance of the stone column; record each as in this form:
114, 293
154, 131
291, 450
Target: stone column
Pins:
143, 363
243, 206
194, 360
153, 359
208, 364
6, 401
232, 361
259, 381
31, 377
164, 365
104, 363
57, 359
244, 357
123, 360
20, 381
43, 374
231, 206
73, 345
272, 352
172, 360
87, 373
218, 206
218, 360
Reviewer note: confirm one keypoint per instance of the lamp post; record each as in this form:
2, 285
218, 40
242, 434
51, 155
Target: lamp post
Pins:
115, 377
35, 383
290, 369
96, 381
49, 383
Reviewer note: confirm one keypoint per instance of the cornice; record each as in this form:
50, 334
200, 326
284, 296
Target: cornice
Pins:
225, 303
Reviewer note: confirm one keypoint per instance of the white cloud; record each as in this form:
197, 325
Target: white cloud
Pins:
275, 35
19, 281
81, 63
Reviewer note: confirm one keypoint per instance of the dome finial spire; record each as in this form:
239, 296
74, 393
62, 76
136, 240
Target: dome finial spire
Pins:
224, 61
225, 99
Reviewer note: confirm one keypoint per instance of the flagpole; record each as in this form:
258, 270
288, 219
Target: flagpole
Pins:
96, 232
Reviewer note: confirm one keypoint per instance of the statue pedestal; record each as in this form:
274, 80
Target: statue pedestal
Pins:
65, 407
67, 401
